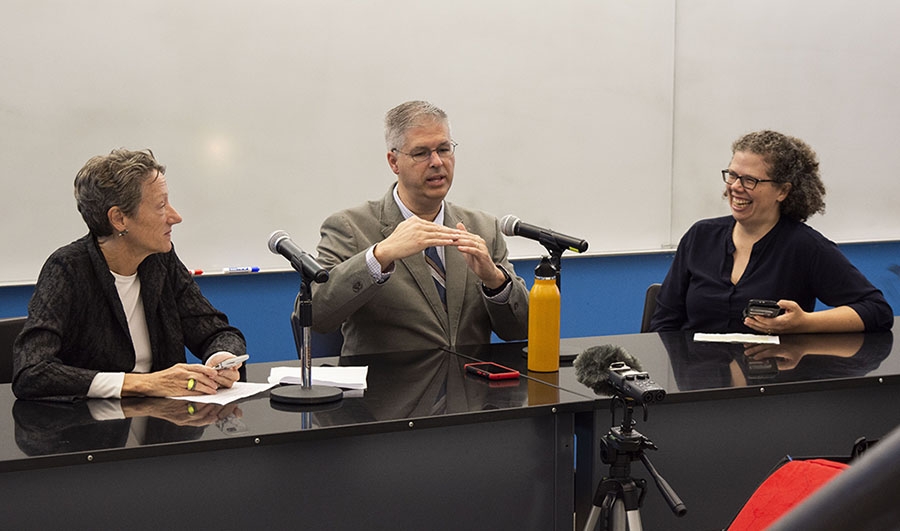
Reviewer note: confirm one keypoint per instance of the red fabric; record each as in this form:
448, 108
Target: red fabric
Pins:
784, 489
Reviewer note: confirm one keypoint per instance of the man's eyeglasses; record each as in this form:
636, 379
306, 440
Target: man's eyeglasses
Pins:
444, 151
749, 183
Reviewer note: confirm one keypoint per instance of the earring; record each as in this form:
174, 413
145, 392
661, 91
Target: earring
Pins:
123, 233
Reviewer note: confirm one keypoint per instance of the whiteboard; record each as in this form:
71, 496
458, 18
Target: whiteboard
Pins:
826, 72
269, 114
605, 120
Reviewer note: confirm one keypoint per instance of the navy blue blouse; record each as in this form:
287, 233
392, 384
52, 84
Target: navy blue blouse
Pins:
793, 261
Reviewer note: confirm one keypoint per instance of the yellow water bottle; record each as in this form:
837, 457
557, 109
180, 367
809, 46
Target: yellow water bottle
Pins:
543, 319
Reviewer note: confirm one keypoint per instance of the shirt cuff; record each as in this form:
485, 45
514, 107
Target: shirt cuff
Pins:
374, 267
106, 409
107, 385
501, 296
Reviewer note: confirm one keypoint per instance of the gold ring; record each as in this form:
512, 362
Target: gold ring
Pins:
191, 384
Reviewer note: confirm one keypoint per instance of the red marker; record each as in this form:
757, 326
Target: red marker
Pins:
195, 272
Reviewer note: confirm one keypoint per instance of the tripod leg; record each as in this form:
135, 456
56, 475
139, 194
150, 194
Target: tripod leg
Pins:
617, 517
631, 503
593, 518
634, 521
619, 510
612, 513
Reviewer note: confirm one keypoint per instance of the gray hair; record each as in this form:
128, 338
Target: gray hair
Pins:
407, 115
112, 180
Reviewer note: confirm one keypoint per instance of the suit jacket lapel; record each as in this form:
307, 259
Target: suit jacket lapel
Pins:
421, 273
457, 274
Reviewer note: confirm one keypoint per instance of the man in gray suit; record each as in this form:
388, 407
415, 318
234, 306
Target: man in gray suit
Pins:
383, 292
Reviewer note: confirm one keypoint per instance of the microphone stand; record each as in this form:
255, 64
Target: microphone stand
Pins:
618, 498
556, 252
556, 262
301, 322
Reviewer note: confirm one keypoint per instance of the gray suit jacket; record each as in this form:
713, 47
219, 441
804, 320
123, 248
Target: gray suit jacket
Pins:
405, 312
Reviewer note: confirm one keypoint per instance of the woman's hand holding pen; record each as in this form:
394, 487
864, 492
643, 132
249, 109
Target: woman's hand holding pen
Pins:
224, 377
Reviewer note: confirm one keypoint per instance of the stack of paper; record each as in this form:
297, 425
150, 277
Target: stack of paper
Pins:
343, 377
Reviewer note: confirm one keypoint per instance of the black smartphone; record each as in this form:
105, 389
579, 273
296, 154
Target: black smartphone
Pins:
763, 308
491, 370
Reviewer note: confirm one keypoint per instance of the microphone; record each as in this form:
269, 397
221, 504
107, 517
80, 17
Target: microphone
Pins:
610, 370
280, 243
592, 366
513, 226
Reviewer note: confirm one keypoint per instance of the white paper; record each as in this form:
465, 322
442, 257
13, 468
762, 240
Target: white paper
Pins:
224, 396
343, 377
736, 338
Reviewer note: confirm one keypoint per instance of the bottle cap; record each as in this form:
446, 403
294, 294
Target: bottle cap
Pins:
545, 269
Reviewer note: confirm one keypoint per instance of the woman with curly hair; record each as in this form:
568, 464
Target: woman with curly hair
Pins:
765, 250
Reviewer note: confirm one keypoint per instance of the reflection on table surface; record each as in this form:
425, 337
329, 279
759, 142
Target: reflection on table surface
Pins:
47, 428
401, 387
681, 365
434, 385
798, 358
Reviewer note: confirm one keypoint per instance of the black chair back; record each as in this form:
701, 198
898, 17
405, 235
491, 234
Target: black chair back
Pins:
649, 306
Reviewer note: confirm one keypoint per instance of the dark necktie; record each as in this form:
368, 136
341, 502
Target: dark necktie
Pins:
437, 272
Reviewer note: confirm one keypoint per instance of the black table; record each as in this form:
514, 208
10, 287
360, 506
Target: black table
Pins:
427, 446
728, 419
485, 456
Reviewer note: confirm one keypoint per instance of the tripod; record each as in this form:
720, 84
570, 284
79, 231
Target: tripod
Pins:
618, 498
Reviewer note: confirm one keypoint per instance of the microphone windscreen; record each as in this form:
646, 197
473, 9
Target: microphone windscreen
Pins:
592, 366
508, 225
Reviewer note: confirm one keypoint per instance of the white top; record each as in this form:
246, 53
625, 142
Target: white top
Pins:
109, 384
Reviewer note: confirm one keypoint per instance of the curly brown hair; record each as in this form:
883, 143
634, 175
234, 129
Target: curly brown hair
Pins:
789, 160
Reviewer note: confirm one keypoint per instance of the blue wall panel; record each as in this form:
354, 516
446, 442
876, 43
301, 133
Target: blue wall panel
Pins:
600, 294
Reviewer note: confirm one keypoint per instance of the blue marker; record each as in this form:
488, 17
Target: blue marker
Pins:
240, 270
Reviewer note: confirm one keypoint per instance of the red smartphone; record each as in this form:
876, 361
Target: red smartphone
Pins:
491, 370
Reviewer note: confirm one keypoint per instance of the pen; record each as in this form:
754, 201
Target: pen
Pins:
195, 272
246, 269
